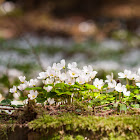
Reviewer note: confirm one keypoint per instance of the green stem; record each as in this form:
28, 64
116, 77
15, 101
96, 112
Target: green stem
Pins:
120, 96
127, 81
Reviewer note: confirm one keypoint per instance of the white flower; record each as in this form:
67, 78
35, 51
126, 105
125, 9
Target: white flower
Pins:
125, 92
33, 94
56, 67
110, 90
70, 81
56, 82
33, 82
61, 65
72, 65
22, 86
48, 81
51, 101
51, 72
62, 77
139, 71
93, 74
132, 76
57, 73
138, 84
87, 69
80, 80
15, 102
25, 101
16, 95
98, 83
48, 89
112, 84
22, 79
125, 74
87, 78
42, 75
137, 78
73, 73
119, 87
13, 90
109, 78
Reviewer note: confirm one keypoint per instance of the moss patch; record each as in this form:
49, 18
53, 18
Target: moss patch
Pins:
71, 125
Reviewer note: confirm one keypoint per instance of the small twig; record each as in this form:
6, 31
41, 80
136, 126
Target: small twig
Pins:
8, 114
11, 109
104, 105
106, 113
8, 105
131, 107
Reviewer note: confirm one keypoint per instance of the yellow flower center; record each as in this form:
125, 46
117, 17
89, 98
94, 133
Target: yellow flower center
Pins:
33, 96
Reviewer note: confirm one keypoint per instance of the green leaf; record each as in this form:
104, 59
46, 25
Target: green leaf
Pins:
88, 86
23, 98
115, 105
66, 93
60, 85
106, 108
62, 105
123, 107
105, 86
41, 100
136, 91
34, 88
78, 110
6, 102
138, 97
136, 105
19, 105
48, 85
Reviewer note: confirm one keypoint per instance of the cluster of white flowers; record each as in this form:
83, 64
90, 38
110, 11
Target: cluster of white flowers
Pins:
135, 76
130, 75
57, 74
112, 84
71, 74
24, 84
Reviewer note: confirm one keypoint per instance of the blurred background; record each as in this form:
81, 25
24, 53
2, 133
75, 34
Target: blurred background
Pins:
36, 33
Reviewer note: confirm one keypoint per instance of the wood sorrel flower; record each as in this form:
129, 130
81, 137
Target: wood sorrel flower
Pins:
33, 94
22, 79
42, 75
109, 78
72, 65
124, 74
33, 82
22, 86
13, 90
48, 88
98, 83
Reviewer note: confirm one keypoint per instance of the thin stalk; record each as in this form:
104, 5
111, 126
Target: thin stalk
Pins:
127, 81
120, 96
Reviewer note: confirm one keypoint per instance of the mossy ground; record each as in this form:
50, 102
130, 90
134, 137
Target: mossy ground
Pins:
72, 126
